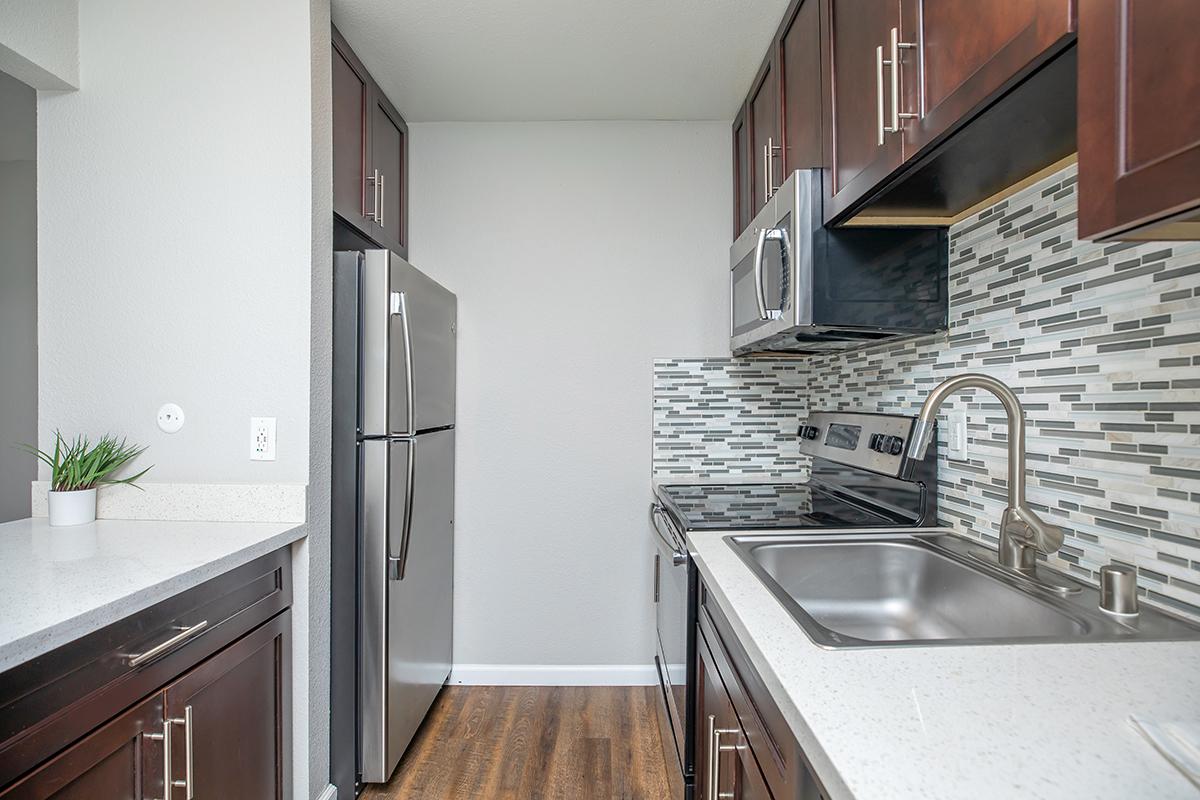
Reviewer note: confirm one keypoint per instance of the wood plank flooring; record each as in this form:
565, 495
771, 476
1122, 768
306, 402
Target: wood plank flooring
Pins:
534, 743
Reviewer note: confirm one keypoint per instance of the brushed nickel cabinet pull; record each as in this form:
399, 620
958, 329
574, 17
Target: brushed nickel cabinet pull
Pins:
715, 748
161, 648
373, 214
880, 128
897, 46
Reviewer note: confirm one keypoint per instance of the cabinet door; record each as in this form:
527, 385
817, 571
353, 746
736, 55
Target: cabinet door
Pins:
389, 155
351, 135
862, 153
766, 142
743, 166
118, 761
800, 71
1139, 119
228, 720
965, 52
724, 760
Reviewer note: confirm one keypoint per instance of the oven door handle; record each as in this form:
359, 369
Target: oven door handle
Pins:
678, 557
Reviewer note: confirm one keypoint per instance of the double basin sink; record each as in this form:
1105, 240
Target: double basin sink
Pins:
937, 588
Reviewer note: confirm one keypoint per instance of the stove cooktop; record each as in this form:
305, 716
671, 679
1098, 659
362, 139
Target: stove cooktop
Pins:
763, 506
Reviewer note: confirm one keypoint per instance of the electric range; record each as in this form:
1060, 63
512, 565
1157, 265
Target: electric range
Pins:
861, 477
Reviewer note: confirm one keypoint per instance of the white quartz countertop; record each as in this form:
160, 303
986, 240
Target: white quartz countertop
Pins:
57, 584
1028, 721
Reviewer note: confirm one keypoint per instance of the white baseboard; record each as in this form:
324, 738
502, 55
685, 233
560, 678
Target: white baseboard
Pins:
330, 793
554, 675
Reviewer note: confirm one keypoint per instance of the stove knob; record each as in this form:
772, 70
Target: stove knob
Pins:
810, 432
896, 446
873, 442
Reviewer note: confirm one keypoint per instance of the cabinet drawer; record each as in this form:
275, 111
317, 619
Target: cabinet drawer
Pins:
53, 700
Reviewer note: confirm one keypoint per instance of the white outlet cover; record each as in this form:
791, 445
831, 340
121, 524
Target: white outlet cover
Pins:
262, 438
170, 418
956, 438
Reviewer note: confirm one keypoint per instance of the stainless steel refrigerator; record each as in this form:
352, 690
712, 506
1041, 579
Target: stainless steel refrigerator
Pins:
399, 328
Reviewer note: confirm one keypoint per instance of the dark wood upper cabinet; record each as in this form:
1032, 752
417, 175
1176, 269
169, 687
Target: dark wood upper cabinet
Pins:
858, 109
119, 761
370, 154
799, 57
231, 714
389, 154
965, 52
743, 166
351, 134
766, 139
1139, 119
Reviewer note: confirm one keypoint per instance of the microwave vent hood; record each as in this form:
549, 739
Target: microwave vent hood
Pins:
799, 287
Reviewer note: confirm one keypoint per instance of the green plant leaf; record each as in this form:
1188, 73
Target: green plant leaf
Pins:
78, 464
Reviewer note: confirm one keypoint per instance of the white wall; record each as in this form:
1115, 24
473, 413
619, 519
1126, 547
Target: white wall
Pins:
184, 235
39, 42
18, 294
579, 252
175, 234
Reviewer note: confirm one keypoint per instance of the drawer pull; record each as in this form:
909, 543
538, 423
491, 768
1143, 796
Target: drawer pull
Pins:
161, 648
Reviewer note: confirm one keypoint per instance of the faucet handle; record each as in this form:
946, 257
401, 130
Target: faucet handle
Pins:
1023, 530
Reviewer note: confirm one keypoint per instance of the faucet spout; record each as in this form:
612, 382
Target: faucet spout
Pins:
1020, 528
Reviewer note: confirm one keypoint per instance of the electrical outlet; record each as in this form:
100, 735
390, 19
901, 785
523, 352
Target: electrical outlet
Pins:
262, 438
956, 436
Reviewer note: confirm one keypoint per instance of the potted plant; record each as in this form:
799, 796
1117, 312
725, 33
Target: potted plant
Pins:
78, 468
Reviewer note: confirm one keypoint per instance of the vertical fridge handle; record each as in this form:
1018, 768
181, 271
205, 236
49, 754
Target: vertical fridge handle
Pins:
399, 308
398, 562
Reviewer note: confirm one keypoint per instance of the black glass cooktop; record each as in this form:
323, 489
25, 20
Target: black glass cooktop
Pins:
762, 506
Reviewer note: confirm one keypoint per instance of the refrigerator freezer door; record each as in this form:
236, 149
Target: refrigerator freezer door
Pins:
409, 326
408, 504
423, 335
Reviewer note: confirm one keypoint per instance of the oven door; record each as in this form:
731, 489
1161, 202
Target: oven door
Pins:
675, 584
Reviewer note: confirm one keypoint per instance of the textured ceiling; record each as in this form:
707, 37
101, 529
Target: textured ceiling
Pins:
456, 60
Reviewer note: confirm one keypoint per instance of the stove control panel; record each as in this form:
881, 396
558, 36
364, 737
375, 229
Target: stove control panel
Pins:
878, 442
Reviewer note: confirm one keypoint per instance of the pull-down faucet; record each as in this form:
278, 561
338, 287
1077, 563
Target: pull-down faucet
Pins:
1022, 532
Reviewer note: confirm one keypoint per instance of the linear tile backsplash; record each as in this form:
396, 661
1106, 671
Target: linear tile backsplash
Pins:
1101, 342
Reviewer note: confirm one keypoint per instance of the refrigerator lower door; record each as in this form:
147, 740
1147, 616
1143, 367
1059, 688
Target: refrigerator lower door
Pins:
408, 583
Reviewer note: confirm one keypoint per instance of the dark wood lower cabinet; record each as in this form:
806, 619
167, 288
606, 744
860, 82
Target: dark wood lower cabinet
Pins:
229, 720
109, 716
744, 747
119, 761
723, 757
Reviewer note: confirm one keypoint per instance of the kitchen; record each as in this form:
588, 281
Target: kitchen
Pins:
559, 275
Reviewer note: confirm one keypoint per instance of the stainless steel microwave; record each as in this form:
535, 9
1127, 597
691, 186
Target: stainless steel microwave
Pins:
799, 287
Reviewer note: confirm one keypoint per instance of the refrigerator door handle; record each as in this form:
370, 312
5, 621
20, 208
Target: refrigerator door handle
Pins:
399, 306
397, 563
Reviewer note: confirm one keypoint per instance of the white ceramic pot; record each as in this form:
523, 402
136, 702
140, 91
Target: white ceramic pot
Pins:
72, 508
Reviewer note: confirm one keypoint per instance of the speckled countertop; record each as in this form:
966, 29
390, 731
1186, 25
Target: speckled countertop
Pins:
57, 584
1028, 721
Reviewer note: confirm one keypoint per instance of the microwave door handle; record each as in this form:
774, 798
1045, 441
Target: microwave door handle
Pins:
760, 294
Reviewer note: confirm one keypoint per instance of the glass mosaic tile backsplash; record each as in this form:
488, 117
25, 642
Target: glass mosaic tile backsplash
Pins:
1101, 342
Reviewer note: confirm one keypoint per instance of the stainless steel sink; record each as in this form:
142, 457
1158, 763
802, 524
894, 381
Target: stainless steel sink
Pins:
870, 590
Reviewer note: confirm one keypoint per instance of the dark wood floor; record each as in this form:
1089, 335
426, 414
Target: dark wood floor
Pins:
534, 743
